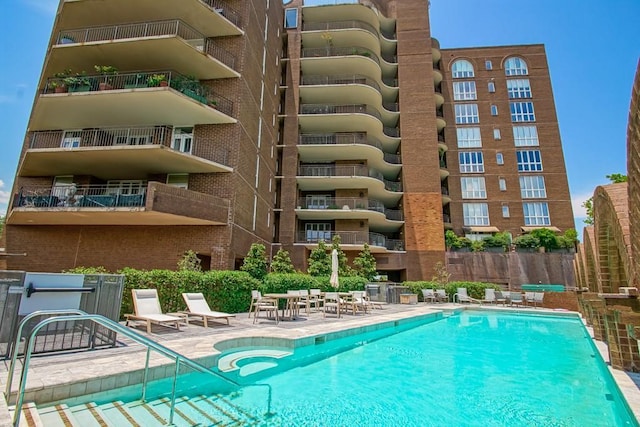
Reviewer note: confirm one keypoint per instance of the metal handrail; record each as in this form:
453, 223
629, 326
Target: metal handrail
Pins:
129, 333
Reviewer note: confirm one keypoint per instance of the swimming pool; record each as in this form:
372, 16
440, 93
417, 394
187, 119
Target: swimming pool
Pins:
472, 368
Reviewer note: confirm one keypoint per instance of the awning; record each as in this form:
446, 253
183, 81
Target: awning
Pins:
527, 229
480, 229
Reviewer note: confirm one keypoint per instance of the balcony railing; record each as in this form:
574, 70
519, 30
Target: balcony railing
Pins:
344, 203
348, 170
444, 191
116, 137
348, 109
83, 196
225, 10
339, 80
348, 138
339, 25
390, 82
339, 51
185, 85
446, 218
351, 238
148, 29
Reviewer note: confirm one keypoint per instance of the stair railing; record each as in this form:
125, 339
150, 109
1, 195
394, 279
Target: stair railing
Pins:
129, 333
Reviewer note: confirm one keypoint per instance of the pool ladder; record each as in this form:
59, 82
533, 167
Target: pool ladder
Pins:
75, 315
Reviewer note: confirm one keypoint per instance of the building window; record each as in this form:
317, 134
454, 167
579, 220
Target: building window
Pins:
462, 68
529, 161
467, 113
519, 88
180, 180
536, 213
522, 112
525, 136
532, 187
494, 110
499, 159
471, 161
71, 139
318, 201
515, 67
182, 140
291, 18
463, 91
473, 188
505, 211
488, 65
491, 87
317, 231
496, 134
469, 137
502, 183
475, 214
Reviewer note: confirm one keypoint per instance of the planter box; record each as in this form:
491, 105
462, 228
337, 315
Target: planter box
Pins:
408, 298
460, 249
531, 250
494, 249
85, 88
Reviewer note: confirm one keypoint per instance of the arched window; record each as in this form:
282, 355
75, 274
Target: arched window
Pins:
462, 68
515, 67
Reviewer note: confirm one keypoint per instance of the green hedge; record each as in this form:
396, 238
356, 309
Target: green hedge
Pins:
275, 282
474, 289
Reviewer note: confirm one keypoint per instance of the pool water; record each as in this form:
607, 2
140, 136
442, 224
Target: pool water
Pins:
471, 369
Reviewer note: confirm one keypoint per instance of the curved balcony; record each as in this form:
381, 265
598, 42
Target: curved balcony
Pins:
346, 88
214, 18
446, 218
152, 204
330, 208
138, 99
437, 90
327, 177
444, 173
318, 148
446, 199
341, 33
440, 121
435, 50
104, 153
351, 240
353, 60
442, 145
327, 116
353, 10
142, 46
437, 76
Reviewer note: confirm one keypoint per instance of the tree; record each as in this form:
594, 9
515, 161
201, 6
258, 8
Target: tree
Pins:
189, 262
319, 261
547, 238
440, 274
615, 178
281, 263
255, 263
343, 266
365, 264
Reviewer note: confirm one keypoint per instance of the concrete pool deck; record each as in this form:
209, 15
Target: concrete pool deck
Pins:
56, 377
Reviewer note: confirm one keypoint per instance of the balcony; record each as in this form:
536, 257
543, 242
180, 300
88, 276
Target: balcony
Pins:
352, 9
440, 121
136, 99
351, 240
338, 88
330, 177
214, 18
104, 153
316, 148
314, 207
446, 199
346, 117
342, 33
437, 91
142, 46
155, 204
351, 59
435, 50
442, 145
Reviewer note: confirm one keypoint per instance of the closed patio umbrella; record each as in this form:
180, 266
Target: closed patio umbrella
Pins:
334, 269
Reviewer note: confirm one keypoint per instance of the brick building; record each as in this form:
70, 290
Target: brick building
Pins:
235, 122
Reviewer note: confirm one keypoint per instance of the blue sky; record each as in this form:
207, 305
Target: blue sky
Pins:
592, 46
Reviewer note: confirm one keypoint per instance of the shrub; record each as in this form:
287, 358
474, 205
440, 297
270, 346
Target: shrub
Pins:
189, 262
527, 241
87, 270
477, 246
278, 283
497, 240
547, 238
474, 289
281, 263
450, 239
255, 263
319, 261
365, 264
347, 283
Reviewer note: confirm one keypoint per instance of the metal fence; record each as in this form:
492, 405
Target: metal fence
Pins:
101, 294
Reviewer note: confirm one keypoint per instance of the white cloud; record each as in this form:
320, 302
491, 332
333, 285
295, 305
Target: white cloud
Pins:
576, 202
4, 199
48, 7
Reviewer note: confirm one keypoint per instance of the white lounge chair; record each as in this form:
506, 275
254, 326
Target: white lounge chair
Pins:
462, 296
147, 308
429, 295
442, 295
489, 296
198, 307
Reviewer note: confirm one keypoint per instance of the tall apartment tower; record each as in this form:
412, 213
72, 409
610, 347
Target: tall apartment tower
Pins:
388, 140
305, 120
153, 132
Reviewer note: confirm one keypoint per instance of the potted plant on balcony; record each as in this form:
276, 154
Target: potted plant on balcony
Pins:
107, 71
59, 85
78, 82
156, 80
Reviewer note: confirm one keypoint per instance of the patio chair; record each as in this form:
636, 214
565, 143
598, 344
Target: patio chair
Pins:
370, 303
502, 297
489, 296
442, 295
302, 302
462, 296
315, 298
356, 303
198, 307
515, 298
429, 295
147, 308
538, 298
331, 303
259, 303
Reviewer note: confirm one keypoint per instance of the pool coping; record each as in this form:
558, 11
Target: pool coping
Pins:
78, 382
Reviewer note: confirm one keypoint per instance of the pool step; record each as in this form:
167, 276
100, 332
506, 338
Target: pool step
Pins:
214, 410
